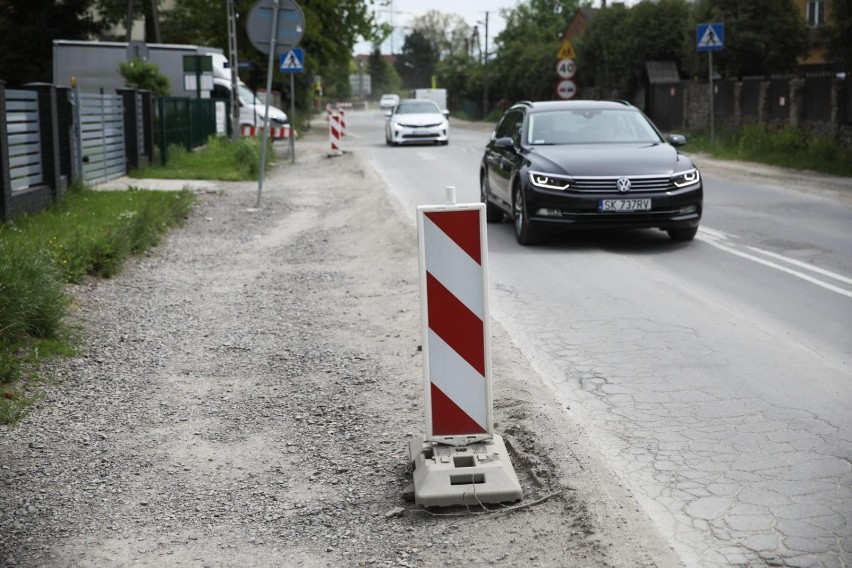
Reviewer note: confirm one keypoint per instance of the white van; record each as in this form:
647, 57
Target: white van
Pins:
252, 109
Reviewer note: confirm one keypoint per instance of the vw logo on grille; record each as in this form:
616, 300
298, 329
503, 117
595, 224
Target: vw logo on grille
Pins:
623, 185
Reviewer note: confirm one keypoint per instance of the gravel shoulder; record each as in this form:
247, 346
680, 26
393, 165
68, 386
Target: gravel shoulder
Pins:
245, 394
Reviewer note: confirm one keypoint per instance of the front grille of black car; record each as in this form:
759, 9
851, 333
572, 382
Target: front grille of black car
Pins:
638, 184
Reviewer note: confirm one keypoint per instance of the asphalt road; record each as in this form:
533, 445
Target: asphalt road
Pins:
715, 376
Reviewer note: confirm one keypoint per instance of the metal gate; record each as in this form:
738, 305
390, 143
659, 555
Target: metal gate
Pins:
99, 122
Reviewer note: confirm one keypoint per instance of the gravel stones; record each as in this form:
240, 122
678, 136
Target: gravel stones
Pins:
244, 395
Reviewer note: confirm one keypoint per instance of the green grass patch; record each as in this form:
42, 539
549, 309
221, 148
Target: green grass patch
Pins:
221, 159
787, 147
91, 233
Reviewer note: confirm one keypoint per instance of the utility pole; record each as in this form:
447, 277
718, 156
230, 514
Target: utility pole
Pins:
485, 73
232, 57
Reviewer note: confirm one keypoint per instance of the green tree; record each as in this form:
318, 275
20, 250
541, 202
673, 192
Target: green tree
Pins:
602, 51
417, 62
524, 67
332, 27
116, 12
383, 77
145, 76
839, 34
27, 31
448, 33
461, 75
612, 53
761, 36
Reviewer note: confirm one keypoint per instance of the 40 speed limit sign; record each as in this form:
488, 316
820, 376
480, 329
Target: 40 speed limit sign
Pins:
566, 89
566, 68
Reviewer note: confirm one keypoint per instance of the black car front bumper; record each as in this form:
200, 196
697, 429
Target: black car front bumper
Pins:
557, 210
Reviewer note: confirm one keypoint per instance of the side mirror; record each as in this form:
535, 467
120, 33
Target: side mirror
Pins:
677, 140
446, 113
387, 113
505, 142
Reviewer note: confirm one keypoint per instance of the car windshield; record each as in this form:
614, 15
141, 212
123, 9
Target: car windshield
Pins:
246, 96
417, 107
587, 126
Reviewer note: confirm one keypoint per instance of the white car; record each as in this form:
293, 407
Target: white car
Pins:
415, 121
389, 101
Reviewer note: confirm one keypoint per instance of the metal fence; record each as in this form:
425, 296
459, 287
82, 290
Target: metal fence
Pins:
821, 103
24, 140
52, 135
186, 122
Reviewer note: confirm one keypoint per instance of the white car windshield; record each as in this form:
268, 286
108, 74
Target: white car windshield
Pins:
590, 127
246, 96
417, 107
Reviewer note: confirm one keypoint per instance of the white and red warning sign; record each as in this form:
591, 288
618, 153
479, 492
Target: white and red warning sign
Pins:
455, 321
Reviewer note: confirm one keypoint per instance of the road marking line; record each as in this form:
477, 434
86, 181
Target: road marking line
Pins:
713, 238
804, 265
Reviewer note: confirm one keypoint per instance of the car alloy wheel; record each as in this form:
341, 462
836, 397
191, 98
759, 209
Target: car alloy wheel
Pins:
524, 233
493, 214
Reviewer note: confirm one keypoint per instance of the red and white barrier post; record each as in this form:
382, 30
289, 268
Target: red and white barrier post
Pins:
460, 460
456, 349
334, 132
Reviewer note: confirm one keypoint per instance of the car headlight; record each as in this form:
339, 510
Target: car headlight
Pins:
396, 126
689, 177
549, 181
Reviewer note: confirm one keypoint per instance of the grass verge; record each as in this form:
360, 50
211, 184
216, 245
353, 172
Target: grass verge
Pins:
91, 233
221, 159
786, 147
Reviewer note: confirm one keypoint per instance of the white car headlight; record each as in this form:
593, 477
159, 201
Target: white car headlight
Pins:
549, 181
689, 177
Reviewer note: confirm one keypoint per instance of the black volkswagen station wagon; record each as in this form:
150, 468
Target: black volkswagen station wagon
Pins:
558, 165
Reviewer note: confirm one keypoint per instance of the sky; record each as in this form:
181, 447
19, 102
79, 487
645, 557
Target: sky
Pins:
471, 11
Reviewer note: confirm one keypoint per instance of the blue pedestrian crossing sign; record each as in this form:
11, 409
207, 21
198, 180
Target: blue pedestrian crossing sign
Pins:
293, 61
710, 37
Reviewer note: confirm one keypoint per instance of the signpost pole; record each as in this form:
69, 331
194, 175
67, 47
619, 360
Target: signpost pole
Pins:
270, 68
710, 37
712, 101
292, 120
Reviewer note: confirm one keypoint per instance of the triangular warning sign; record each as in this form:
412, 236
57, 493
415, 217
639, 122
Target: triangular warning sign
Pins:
566, 51
709, 39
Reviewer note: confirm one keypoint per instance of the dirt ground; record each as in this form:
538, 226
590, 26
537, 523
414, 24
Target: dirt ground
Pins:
245, 396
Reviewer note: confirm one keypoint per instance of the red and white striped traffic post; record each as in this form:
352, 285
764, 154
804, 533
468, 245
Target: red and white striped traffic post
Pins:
342, 121
334, 132
457, 347
460, 460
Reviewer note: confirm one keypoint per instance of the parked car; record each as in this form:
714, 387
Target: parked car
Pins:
415, 121
388, 101
587, 164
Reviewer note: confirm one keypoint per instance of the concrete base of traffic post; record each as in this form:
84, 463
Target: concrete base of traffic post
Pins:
463, 475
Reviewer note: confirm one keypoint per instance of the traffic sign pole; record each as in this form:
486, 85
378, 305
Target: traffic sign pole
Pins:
292, 62
710, 38
272, 33
292, 120
712, 101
